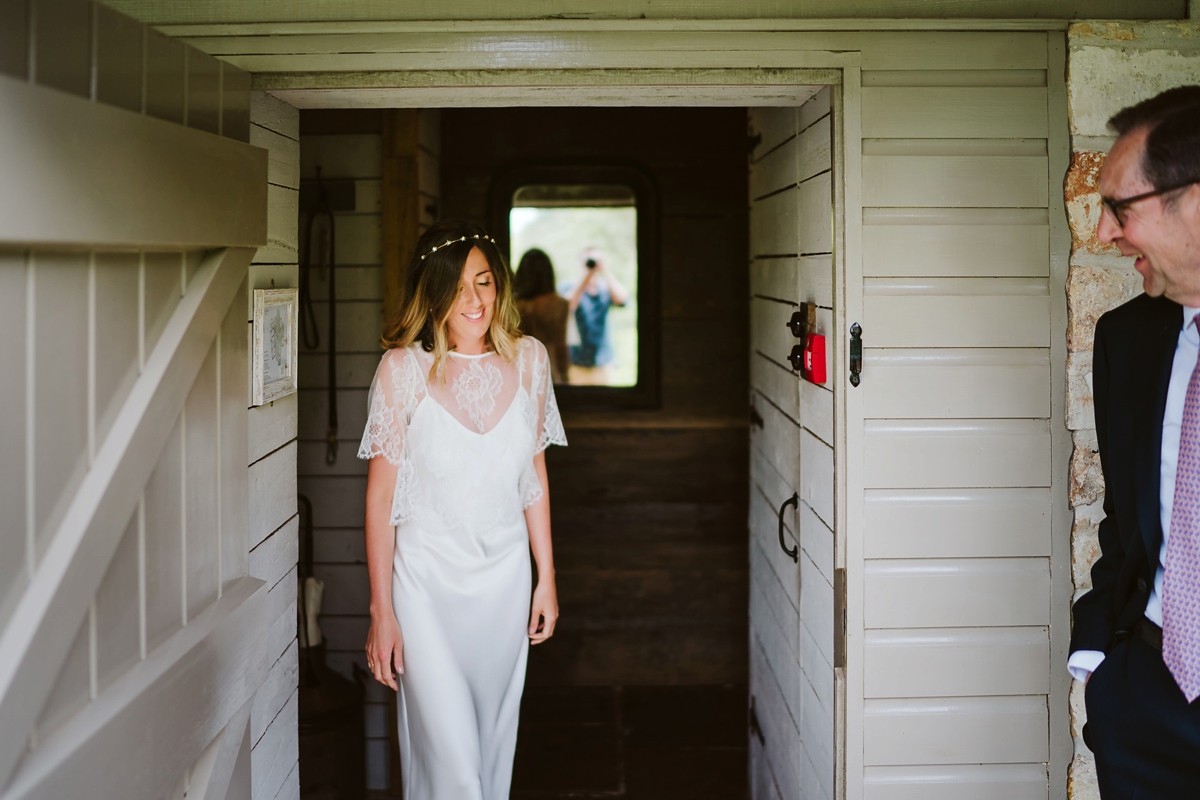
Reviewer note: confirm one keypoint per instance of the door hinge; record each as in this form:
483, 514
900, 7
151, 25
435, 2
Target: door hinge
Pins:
839, 618
855, 354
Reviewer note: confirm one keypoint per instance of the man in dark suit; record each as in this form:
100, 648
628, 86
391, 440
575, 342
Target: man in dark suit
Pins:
1136, 635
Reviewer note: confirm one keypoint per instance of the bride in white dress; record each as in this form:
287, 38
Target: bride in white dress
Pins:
461, 410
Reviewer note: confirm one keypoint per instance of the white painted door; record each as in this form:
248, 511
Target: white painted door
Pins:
792, 455
132, 639
957, 531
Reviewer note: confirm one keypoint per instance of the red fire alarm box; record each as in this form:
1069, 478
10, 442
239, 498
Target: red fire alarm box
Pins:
814, 358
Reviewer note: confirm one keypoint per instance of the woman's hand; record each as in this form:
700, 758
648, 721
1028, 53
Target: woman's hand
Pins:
385, 649
543, 612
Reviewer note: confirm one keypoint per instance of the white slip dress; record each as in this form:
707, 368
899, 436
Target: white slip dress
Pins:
464, 447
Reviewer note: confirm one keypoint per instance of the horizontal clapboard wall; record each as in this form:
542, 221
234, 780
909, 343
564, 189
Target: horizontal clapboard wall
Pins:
351, 165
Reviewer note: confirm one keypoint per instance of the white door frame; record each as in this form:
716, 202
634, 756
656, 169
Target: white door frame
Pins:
699, 62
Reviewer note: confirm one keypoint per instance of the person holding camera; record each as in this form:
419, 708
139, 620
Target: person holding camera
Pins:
590, 298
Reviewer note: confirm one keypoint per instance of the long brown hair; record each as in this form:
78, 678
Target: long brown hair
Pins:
431, 290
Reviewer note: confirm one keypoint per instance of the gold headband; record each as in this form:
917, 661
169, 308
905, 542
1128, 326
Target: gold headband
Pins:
449, 242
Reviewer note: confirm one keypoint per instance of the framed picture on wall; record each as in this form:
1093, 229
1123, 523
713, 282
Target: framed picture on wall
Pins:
276, 347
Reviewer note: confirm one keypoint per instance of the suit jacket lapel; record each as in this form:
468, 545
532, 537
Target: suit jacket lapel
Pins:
1160, 343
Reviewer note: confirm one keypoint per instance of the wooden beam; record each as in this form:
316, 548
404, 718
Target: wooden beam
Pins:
52, 607
137, 738
78, 173
401, 204
165, 12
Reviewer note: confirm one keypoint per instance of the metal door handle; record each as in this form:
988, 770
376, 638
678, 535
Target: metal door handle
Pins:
792, 552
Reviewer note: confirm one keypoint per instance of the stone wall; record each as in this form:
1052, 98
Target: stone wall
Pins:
1110, 65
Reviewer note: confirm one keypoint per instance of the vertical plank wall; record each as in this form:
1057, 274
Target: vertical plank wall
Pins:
337, 491
957, 460
274, 523
791, 604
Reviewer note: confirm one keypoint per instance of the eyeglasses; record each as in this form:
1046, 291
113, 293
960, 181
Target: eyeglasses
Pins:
1119, 207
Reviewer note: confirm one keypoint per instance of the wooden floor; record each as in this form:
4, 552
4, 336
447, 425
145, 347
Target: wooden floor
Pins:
635, 742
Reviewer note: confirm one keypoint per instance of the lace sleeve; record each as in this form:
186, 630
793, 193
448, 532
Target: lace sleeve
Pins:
549, 428
545, 425
394, 395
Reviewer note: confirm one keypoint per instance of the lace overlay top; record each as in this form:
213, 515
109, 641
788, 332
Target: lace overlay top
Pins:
480, 393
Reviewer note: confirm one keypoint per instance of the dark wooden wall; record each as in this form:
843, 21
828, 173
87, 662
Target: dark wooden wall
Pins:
649, 506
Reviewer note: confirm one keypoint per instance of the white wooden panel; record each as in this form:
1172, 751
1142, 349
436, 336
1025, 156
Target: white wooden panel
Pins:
310, 458
812, 149
816, 539
281, 615
777, 170
782, 661
270, 276
359, 326
775, 124
816, 608
817, 671
816, 737
283, 208
778, 440
778, 623
346, 633
776, 278
352, 412
767, 493
948, 592
977, 781
283, 156
71, 687
956, 730
347, 590
949, 112
817, 107
359, 239
947, 662
118, 613
116, 334
816, 280
956, 312
14, 332
368, 197
272, 492
958, 453
337, 501
938, 51
271, 426
358, 155
201, 527
773, 229
951, 382
353, 283
275, 115
816, 410
163, 287
234, 432
777, 383
83, 173
779, 731
277, 688
958, 523
222, 647
277, 752
958, 77
973, 181
816, 476
164, 542
816, 215
275, 556
354, 371
966, 242
60, 375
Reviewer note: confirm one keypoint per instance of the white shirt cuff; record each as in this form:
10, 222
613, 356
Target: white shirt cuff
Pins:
1083, 663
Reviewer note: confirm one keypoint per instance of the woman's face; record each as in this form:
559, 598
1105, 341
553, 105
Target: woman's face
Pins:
472, 314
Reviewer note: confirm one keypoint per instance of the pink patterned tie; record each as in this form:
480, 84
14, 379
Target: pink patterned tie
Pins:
1181, 566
